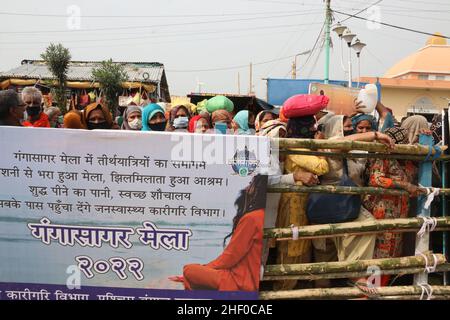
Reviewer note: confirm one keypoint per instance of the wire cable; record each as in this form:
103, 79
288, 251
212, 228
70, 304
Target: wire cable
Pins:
362, 10
393, 26
153, 26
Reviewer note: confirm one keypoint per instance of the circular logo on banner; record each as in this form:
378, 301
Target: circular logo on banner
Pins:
244, 162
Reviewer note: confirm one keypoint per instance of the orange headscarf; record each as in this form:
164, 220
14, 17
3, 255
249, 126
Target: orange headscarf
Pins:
91, 107
221, 115
74, 120
282, 116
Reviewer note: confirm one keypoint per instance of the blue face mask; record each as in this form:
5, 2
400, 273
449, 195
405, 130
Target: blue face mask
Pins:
181, 122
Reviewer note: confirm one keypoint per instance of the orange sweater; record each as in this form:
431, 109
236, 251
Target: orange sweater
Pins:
241, 260
42, 122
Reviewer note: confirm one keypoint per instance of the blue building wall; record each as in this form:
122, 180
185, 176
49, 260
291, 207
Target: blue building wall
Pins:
279, 90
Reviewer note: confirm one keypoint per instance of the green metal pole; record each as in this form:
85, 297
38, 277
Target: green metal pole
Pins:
327, 41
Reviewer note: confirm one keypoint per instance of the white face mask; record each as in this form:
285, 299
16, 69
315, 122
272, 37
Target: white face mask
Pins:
181, 122
135, 124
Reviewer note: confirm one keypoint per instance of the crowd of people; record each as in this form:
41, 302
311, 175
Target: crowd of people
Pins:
293, 169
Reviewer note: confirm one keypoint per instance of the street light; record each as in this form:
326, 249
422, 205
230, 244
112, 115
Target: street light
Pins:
358, 46
339, 29
294, 64
345, 34
348, 37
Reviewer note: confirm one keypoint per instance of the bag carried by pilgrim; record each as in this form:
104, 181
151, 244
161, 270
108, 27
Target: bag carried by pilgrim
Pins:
84, 98
323, 208
304, 105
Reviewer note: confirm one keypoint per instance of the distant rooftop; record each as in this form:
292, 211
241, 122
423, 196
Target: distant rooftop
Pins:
431, 59
147, 72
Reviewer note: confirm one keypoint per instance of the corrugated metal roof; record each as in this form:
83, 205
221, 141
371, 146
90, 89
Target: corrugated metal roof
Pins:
207, 94
82, 71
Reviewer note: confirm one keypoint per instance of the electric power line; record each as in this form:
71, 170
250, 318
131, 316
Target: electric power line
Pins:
315, 61
416, 17
234, 67
154, 26
314, 47
28, 14
362, 10
283, 51
162, 35
392, 26
428, 2
122, 44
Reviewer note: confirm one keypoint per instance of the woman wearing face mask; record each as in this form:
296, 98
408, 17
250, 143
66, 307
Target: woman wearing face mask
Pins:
221, 116
153, 118
97, 116
132, 118
240, 123
179, 119
32, 97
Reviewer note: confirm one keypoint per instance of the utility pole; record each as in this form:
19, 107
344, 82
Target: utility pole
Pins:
239, 83
327, 40
250, 90
294, 63
294, 68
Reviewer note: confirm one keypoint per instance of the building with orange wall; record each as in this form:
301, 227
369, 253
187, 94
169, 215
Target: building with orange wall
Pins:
419, 83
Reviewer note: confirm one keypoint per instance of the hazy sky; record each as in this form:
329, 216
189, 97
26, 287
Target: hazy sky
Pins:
192, 35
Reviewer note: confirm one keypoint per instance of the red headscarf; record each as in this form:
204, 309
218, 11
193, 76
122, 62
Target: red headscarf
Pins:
193, 122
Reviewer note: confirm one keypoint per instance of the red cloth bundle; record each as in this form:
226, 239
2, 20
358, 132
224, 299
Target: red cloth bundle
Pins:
304, 105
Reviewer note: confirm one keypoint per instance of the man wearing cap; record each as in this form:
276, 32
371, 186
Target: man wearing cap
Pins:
12, 108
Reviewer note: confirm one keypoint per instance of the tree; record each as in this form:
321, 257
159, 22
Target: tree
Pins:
110, 75
58, 58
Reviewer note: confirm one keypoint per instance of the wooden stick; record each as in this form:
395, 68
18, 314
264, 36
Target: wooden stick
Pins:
352, 266
338, 189
360, 155
414, 297
347, 145
360, 234
353, 275
342, 190
347, 293
363, 227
